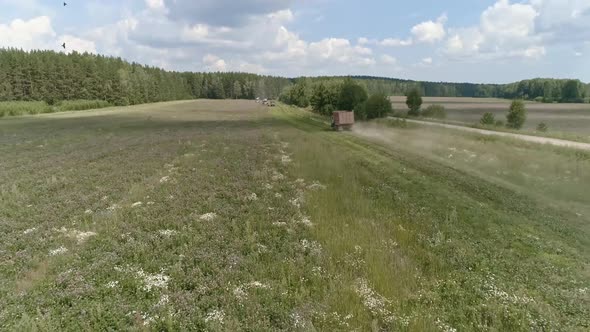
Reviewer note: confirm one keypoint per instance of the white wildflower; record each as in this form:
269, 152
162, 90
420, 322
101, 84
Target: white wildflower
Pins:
208, 216
113, 207
58, 251
81, 237
316, 186
268, 186
277, 176
239, 293
136, 204
295, 202
167, 232
376, 303
164, 300
30, 230
165, 179
215, 316
305, 221
151, 281
285, 159
444, 326
150, 203
252, 197
279, 195
113, 284
88, 211
311, 246
279, 224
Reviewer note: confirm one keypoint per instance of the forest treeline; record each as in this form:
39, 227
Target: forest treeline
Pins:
51, 77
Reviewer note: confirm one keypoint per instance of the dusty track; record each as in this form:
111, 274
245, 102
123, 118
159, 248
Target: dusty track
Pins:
528, 138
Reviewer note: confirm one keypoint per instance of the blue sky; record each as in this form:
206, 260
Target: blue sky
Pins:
456, 40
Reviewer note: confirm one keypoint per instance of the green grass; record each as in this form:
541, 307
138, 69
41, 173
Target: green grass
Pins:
17, 108
404, 237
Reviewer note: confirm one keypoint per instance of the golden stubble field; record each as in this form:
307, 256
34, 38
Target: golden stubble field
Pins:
566, 118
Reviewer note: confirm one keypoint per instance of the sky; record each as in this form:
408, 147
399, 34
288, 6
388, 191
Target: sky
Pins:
480, 41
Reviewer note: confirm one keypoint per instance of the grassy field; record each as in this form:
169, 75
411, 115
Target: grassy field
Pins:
561, 118
225, 215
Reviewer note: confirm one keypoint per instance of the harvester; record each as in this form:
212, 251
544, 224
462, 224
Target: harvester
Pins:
342, 120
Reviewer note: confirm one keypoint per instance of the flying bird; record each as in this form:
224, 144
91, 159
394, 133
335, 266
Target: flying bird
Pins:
63, 45
65, 4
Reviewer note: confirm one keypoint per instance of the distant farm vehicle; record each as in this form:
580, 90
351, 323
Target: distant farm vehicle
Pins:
342, 120
271, 103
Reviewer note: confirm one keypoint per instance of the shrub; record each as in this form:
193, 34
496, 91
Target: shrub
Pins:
542, 127
435, 111
499, 123
517, 115
540, 99
414, 101
350, 95
488, 119
377, 106
80, 105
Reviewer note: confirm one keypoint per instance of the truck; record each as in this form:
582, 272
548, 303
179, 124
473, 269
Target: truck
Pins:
342, 120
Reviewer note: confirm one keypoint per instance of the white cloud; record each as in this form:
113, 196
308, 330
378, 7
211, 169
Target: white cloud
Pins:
388, 60
214, 63
430, 31
157, 5
32, 34
427, 61
396, 42
78, 44
578, 54
504, 30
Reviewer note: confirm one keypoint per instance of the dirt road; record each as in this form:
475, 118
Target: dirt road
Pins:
528, 138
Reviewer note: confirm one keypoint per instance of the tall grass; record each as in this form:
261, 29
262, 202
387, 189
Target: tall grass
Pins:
16, 108
80, 105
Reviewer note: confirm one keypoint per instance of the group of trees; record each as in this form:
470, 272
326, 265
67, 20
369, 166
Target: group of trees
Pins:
539, 89
49, 76
330, 95
515, 118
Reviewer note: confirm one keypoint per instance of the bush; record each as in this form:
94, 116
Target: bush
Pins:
499, 123
540, 99
542, 127
517, 115
80, 105
350, 95
15, 108
488, 119
377, 106
414, 102
435, 111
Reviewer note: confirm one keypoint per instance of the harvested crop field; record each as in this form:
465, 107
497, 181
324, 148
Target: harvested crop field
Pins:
226, 215
565, 118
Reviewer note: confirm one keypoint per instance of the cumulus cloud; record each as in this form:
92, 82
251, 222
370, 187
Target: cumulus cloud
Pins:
38, 33
388, 60
223, 12
214, 63
396, 42
427, 61
505, 30
430, 31
34, 33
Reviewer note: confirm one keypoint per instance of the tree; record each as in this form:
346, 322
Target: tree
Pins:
377, 106
414, 101
323, 99
351, 94
487, 119
517, 115
435, 111
570, 92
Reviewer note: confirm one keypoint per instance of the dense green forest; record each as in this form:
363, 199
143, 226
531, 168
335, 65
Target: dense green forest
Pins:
52, 77
49, 76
